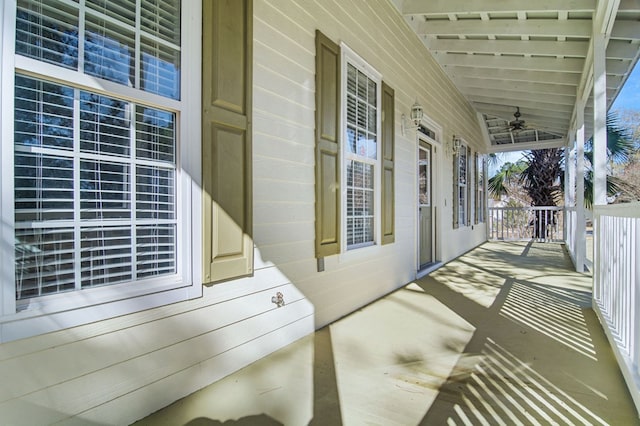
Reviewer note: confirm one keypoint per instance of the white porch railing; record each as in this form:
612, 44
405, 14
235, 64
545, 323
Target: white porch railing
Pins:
616, 285
571, 219
526, 223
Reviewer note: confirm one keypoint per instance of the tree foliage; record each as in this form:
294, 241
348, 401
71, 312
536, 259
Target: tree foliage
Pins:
541, 172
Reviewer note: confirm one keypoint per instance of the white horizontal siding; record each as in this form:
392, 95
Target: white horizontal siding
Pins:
285, 59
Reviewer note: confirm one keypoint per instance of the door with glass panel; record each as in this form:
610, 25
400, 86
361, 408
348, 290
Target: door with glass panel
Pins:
425, 207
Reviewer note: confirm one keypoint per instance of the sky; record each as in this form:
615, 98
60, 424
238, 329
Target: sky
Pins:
628, 99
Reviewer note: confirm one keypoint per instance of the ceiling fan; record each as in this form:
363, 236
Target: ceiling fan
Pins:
517, 124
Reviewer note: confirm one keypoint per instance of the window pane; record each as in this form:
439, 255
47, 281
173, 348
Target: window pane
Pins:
160, 73
47, 31
155, 197
352, 76
104, 190
363, 83
155, 134
161, 18
43, 114
109, 51
121, 10
43, 188
44, 261
462, 161
106, 255
362, 114
351, 139
352, 110
155, 245
360, 203
103, 125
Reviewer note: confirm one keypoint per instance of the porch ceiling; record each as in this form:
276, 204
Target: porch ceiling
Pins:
526, 54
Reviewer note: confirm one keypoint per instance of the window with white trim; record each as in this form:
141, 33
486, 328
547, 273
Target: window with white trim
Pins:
480, 188
361, 91
96, 151
462, 180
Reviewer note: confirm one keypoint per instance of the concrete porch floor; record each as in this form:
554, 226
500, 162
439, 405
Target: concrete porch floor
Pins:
504, 335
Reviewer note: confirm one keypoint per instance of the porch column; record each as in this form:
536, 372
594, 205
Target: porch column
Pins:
599, 120
569, 184
580, 235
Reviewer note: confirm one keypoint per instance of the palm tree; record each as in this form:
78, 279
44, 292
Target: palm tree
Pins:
541, 172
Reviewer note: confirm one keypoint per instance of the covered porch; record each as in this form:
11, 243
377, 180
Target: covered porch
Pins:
505, 334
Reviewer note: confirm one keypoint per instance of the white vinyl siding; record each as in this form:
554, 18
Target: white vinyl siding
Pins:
361, 160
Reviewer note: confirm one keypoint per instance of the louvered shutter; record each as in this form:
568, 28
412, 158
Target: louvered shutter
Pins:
226, 138
388, 142
327, 134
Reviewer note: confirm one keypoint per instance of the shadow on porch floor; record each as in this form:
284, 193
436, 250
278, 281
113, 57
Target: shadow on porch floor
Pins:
502, 335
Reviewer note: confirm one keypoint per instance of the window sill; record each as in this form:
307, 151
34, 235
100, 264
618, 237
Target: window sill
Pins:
356, 254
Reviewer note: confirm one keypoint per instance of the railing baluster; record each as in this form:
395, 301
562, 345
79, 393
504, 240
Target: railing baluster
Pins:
544, 224
616, 285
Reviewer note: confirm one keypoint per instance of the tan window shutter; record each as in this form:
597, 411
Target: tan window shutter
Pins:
226, 138
387, 149
327, 146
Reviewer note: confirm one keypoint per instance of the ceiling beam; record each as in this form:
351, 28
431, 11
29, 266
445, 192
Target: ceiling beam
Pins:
498, 99
625, 30
525, 146
420, 7
529, 27
550, 48
570, 79
571, 65
622, 49
505, 112
551, 129
629, 6
617, 67
525, 96
466, 83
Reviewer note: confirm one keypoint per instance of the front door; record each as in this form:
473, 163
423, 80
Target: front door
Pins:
425, 207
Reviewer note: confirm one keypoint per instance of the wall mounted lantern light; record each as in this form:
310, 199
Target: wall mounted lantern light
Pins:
415, 117
453, 146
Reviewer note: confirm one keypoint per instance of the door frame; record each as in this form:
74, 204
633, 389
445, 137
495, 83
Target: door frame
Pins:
434, 140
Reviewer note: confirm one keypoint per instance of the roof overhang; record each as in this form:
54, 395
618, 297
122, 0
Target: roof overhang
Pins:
533, 55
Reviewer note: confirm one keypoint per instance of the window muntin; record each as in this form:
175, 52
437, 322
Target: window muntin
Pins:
95, 175
361, 156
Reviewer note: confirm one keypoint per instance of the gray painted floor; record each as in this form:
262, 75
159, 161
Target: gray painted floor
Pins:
503, 335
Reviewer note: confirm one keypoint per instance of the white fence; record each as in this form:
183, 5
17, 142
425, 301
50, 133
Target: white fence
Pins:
526, 223
616, 285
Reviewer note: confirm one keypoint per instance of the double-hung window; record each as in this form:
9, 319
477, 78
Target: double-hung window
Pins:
462, 182
98, 148
361, 91
480, 188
